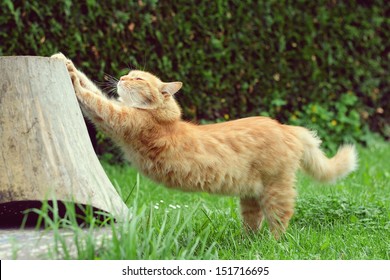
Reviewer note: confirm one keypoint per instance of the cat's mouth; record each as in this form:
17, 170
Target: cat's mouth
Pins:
120, 88
120, 84
124, 90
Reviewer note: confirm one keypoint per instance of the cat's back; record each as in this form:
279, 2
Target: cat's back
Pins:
241, 123
251, 127
250, 136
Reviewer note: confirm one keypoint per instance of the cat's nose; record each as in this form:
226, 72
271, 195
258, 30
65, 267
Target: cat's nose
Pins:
124, 78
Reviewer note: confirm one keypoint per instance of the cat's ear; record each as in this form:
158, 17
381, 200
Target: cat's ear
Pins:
171, 88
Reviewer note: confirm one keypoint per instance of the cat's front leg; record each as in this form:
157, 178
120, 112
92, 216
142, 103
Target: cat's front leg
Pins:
106, 114
84, 80
68, 63
81, 93
79, 89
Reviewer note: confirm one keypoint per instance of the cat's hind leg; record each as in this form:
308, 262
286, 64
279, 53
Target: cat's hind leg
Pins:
278, 202
251, 213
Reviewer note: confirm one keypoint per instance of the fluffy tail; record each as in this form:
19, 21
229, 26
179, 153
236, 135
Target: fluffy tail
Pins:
316, 164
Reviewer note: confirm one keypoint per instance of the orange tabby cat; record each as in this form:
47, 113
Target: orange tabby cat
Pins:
253, 158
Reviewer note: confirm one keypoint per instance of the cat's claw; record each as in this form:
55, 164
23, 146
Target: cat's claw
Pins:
69, 64
71, 68
76, 83
60, 56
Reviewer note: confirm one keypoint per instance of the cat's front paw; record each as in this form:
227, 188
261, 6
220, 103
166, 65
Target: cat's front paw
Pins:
62, 57
69, 64
76, 82
59, 55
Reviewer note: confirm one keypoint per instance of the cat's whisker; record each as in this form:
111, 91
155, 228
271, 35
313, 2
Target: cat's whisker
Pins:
98, 83
110, 85
110, 78
111, 92
109, 89
143, 69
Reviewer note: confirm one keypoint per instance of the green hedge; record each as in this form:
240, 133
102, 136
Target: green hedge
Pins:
321, 64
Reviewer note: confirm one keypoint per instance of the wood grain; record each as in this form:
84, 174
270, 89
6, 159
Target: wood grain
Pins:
45, 150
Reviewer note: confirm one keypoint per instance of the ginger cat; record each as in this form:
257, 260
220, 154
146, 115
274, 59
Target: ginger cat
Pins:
253, 158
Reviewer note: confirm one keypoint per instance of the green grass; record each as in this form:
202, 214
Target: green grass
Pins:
347, 220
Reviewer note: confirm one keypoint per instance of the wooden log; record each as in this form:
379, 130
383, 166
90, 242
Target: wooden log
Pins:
45, 150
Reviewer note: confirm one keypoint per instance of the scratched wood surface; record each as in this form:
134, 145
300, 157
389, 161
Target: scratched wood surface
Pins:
32, 244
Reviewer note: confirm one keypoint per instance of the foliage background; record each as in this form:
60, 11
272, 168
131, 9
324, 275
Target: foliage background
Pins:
321, 64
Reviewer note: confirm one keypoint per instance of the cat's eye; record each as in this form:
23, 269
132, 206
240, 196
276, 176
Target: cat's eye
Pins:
139, 79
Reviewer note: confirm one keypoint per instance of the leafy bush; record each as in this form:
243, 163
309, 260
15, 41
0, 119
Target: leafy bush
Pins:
322, 64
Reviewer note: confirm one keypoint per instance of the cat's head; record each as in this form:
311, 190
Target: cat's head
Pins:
143, 90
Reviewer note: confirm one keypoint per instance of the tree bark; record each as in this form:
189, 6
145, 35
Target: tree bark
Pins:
45, 151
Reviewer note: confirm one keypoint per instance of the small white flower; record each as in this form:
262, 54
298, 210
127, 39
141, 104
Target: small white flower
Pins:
155, 207
172, 206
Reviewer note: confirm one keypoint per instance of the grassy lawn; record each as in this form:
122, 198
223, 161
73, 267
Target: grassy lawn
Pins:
347, 220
